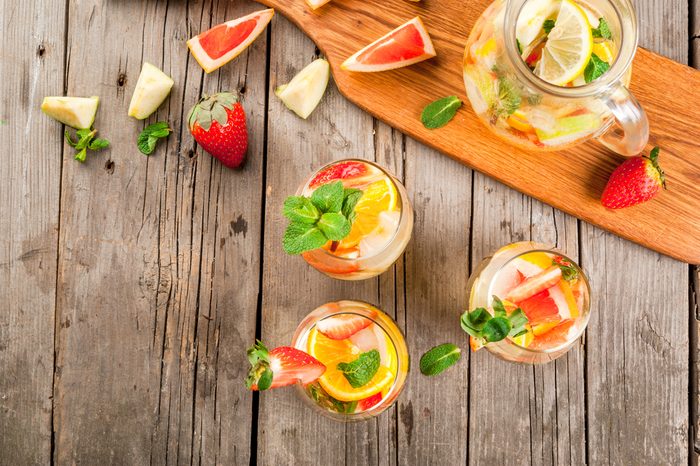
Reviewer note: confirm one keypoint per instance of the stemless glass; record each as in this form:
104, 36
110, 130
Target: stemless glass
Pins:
376, 247
332, 395
544, 116
551, 334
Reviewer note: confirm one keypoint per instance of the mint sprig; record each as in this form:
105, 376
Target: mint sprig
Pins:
439, 358
595, 68
360, 371
150, 136
568, 271
325, 216
548, 25
488, 328
602, 31
85, 141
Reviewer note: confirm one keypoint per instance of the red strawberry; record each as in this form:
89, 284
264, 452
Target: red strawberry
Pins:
342, 326
637, 180
281, 367
339, 171
217, 123
369, 402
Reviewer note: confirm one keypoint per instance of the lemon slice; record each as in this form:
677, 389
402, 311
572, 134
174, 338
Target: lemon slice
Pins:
330, 353
568, 48
604, 50
378, 197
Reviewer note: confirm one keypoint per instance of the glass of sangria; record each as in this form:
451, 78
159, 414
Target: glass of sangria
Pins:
380, 224
365, 357
550, 289
550, 74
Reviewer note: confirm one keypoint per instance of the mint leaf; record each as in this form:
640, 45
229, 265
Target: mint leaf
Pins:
595, 68
473, 322
568, 271
300, 209
548, 25
518, 320
520, 47
439, 358
350, 200
498, 309
334, 225
81, 155
329, 197
98, 144
151, 134
69, 138
301, 237
508, 97
602, 31
496, 329
437, 114
360, 371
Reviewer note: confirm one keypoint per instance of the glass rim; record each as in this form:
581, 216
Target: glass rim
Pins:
400, 200
310, 320
629, 38
587, 313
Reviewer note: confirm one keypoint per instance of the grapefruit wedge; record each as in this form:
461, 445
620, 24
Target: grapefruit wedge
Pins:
405, 45
221, 44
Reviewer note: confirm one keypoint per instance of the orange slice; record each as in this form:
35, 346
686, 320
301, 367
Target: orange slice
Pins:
330, 353
221, 44
405, 45
378, 197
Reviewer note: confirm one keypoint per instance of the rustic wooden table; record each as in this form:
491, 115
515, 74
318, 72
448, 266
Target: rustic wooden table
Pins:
131, 285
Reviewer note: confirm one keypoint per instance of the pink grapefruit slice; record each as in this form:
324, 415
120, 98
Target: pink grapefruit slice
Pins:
221, 44
405, 45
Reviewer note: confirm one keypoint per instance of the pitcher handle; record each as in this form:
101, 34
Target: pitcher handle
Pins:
631, 133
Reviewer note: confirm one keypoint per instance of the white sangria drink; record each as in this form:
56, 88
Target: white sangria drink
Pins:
549, 74
358, 220
365, 356
547, 289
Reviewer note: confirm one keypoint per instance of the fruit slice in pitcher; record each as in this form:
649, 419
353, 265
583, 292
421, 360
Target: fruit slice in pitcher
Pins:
405, 45
221, 44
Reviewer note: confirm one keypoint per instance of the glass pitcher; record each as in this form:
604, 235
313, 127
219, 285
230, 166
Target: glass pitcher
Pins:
534, 114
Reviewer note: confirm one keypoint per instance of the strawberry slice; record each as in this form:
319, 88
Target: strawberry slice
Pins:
369, 402
339, 171
535, 284
340, 327
281, 367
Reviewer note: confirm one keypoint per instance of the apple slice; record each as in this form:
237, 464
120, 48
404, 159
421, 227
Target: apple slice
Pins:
76, 112
152, 88
313, 4
305, 90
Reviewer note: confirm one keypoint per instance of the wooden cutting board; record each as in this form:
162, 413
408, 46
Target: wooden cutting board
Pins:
570, 180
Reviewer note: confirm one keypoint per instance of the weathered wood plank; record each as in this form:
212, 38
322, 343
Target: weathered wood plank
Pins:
433, 411
31, 66
522, 414
175, 260
288, 432
638, 338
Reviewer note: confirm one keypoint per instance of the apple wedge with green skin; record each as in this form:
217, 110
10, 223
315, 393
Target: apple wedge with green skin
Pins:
152, 88
303, 93
76, 112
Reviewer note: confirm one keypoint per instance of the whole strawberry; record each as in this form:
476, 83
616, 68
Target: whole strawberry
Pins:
637, 180
217, 123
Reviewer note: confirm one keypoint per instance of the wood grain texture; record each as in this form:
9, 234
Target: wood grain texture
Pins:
157, 301
397, 97
31, 66
288, 431
540, 409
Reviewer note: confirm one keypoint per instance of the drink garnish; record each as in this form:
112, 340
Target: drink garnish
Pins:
437, 114
361, 371
280, 367
439, 358
326, 215
568, 271
548, 25
150, 136
488, 328
86, 140
595, 68
602, 31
